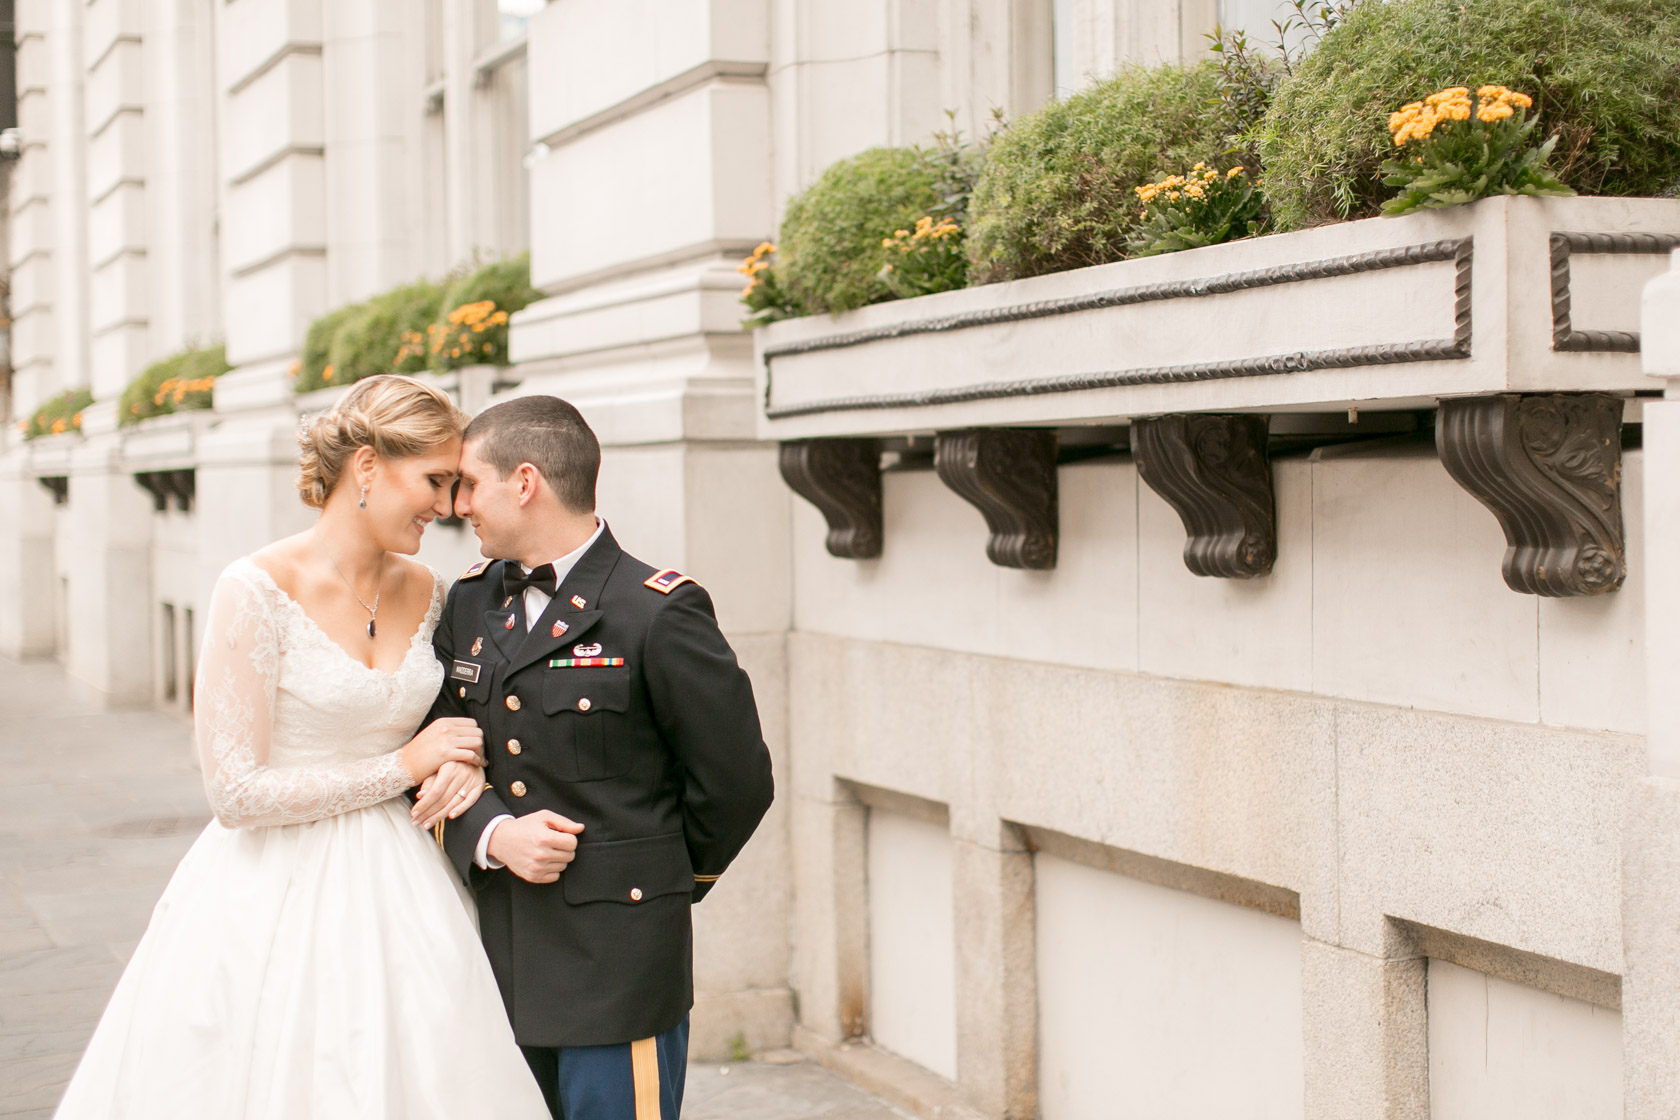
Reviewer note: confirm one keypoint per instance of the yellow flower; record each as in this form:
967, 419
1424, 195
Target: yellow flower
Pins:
58, 426
1440, 97
76, 421
1233, 173
327, 373
1497, 111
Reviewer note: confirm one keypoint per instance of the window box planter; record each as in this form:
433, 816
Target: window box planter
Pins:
1506, 295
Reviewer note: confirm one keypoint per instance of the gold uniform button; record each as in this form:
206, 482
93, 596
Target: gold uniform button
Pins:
513, 703
461, 692
514, 747
583, 705
517, 789
635, 894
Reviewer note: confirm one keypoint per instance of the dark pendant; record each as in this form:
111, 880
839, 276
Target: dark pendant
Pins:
372, 629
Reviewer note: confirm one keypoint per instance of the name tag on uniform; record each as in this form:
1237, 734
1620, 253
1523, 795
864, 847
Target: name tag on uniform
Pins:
464, 671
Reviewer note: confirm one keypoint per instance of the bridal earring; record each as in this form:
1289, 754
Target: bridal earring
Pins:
363, 503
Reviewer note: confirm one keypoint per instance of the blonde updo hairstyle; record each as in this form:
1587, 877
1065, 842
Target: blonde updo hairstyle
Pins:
396, 416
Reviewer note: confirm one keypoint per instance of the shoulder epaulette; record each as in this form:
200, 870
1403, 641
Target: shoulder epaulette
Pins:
476, 570
667, 581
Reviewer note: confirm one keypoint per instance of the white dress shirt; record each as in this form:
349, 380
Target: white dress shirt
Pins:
536, 601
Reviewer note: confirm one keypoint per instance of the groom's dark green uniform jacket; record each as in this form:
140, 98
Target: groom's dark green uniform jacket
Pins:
622, 708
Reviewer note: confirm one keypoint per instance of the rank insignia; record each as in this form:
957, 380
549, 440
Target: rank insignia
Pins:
559, 629
586, 663
475, 571
478, 644
579, 602
464, 671
508, 625
667, 581
593, 649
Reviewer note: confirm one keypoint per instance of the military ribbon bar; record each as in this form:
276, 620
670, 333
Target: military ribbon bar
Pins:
586, 663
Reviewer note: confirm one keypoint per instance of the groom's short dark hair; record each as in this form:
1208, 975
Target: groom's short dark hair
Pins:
547, 433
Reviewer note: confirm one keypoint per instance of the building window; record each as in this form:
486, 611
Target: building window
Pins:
513, 15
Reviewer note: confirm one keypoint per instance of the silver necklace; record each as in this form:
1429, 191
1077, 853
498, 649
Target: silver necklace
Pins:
373, 611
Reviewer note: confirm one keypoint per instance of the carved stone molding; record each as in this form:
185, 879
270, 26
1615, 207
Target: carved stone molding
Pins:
1564, 245
1214, 472
1550, 469
842, 478
1009, 475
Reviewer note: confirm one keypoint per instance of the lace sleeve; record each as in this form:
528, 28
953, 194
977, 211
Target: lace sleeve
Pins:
238, 671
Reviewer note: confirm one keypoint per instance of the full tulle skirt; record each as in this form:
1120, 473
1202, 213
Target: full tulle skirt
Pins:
324, 970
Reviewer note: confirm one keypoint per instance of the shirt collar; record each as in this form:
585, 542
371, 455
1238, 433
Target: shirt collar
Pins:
563, 566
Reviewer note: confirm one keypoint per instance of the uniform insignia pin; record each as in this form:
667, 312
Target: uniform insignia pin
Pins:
508, 625
559, 629
478, 644
506, 601
578, 602
593, 649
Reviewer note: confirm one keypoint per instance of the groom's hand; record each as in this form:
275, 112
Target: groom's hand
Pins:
537, 846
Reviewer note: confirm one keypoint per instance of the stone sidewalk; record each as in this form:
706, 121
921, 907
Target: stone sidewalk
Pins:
99, 806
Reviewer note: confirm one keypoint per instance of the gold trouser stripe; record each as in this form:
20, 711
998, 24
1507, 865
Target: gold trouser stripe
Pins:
644, 1072
437, 833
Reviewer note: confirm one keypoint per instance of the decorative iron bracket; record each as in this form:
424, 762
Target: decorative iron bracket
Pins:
1009, 475
58, 485
179, 485
842, 478
1213, 470
1550, 468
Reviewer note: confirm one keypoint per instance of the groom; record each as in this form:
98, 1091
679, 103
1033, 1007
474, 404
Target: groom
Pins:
625, 767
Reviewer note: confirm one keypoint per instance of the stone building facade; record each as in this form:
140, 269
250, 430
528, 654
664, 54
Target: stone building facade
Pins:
1107, 839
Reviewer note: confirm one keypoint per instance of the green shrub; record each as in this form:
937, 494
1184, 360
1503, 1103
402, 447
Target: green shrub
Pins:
472, 328
311, 370
830, 252
182, 381
1056, 191
1604, 74
57, 415
367, 341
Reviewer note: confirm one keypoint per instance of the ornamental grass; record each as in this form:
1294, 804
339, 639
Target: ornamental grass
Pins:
1604, 76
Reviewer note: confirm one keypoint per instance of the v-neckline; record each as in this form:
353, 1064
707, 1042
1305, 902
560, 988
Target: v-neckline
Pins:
320, 631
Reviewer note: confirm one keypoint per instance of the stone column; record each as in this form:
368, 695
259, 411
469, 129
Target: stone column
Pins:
1366, 1028
1651, 832
996, 972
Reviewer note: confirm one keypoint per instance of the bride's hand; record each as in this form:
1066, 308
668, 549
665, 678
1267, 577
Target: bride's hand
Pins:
451, 791
451, 739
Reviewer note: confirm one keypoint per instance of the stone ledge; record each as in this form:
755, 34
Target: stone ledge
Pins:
902, 1082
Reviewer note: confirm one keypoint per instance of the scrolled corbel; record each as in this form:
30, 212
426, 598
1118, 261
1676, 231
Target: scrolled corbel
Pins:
1009, 475
1549, 466
1213, 470
842, 478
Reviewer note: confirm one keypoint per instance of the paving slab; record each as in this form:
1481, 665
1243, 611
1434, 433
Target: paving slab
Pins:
101, 805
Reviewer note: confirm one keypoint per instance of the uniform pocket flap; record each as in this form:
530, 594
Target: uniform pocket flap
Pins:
629, 871
586, 690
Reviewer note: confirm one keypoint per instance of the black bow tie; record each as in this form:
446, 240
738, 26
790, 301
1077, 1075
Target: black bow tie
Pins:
514, 581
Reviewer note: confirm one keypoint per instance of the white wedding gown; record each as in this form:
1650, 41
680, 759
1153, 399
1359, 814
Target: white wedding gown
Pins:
314, 955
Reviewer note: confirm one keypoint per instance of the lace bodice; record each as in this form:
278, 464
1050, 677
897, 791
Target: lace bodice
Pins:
290, 727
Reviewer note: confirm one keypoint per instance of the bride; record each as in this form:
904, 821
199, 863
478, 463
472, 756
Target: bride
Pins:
314, 954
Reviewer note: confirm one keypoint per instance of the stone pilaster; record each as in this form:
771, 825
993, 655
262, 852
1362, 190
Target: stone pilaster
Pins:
1651, 829
108, 628
28, 578
1366, 1031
